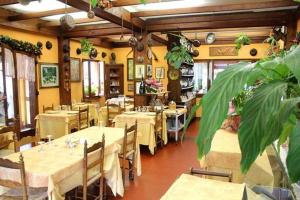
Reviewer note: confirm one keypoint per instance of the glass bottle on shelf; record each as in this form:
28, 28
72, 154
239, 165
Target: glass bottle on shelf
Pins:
142, 87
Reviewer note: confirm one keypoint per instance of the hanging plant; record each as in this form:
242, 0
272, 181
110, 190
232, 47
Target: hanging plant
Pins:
178, 55
86, 46
107, 3
20, 45
242, 40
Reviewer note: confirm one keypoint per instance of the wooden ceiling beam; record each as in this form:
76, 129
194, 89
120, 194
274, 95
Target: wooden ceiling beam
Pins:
217, 8
159, 39
9, 2
96, 33
120, 3
94, 27
28, 16
57, 23
85, 6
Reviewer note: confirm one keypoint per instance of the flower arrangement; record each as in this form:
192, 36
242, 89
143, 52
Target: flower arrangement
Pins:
152, 85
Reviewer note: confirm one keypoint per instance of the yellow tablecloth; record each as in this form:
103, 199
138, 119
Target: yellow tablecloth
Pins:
225, 156
56, 123
59, 168
178, 111
190, 187
93, 113
145, 129
103, 113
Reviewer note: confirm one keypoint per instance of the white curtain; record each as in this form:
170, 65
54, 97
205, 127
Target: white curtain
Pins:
25, 67
200, 76
9, 63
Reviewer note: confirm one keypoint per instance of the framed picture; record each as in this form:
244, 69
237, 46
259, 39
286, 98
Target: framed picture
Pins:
149, 70
130, 69
49, 75
75, 69
130, 87
159, 73
137, 87
139, 71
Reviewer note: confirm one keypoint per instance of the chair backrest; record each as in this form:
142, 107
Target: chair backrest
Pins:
45, 109
112, 111
159, 120
33, 140
87, 165
15, 166
129, 139
83, 117
127, 102
211, 173
13, 126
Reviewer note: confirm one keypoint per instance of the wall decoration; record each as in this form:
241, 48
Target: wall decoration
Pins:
223, 51
103, 54
48, 45
149, 70
159, 73
130, 69
130, 87
139, 71
75, 69
93, 53
137, 87
78, 51
21, 45
173, 74
39, 44
253, 52
210, 38
49, 76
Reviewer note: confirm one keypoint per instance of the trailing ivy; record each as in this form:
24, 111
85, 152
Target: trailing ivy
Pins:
20, 45
178, 55
86, 46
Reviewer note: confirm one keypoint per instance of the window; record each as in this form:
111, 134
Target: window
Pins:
93, 78
201, 77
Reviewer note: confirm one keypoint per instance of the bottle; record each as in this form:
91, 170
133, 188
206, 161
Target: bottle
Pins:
142, 86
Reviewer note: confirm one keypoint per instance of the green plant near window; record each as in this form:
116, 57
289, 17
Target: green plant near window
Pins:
178, 55
242, 40
86, 46
272, 112
94, 3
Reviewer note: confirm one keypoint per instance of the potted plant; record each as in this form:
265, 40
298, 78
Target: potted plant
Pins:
272, 112
178, 55
242, 40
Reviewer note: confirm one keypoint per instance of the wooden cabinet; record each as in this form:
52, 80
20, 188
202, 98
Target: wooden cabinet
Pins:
114, 80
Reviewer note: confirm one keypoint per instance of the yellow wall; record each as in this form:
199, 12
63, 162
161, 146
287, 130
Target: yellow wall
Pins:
46, 96
76, 87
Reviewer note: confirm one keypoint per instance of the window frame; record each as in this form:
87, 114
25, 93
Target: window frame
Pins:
89, 79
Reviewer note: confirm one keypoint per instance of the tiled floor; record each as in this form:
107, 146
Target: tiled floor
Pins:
161, 170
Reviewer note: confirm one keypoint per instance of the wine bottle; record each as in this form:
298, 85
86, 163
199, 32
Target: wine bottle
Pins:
142, 86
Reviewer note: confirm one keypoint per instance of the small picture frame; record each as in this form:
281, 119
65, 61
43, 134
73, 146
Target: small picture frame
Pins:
49, 75
139, 71
75, 69
149, 70
130, 69
137, 87
130, 87
159, 73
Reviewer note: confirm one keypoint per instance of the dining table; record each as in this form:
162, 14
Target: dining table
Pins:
190, 187
225, 156
59, 168
103, 112
145, 126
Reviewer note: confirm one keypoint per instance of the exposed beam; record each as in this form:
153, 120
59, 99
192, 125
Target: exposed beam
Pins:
78, 21
119, 3
94, 27
97, 42
9, 2
159, 39
30, 29
217, 8
28, 16
96, 33
82, 5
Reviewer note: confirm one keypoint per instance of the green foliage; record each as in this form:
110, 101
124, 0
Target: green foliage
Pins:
178, 55
269, 113
240, 100
95, 4
243, 39
86, 46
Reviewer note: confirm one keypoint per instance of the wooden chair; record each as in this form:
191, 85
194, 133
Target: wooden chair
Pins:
127, 103
129, 151
112, 111
13, 126
33, 140
87, 166
158, 128
45, 109
19, 190
210, 173
83, 118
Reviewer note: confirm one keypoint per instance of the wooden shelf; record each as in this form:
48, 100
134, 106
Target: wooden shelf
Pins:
187, 75
187, 88
114, 75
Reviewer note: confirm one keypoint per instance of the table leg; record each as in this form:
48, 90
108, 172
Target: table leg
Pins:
176, 129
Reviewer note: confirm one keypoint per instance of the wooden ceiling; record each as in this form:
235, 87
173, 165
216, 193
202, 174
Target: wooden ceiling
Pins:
219, 16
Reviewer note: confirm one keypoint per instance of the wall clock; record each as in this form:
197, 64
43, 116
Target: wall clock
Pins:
210, 38
173, 74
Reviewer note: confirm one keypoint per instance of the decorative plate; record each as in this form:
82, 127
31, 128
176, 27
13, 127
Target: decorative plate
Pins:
173, 74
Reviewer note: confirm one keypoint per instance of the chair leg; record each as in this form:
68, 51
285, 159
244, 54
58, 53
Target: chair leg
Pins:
101, 194
131, 168
123, 169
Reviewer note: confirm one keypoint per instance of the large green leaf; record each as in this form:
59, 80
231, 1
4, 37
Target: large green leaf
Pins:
258, 112
190, 117
293, 62
293, 158
228, 84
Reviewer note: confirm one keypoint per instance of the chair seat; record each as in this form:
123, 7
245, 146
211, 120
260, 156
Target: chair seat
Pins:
34, 194
6, 152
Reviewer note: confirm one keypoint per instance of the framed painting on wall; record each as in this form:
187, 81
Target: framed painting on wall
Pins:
130, 69
75, 69
139, 71
130, 87
49, 75
159, 73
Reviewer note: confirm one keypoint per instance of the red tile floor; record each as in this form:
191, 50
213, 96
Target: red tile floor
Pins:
162, 169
